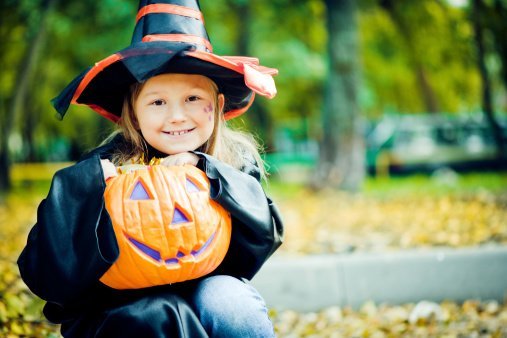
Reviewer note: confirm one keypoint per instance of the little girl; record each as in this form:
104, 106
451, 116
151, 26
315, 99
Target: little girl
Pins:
171, 97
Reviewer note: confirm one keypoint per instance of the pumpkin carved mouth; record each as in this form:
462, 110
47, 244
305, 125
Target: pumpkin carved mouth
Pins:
154, 254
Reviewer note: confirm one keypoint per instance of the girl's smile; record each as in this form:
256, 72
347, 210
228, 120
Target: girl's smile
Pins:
176, 112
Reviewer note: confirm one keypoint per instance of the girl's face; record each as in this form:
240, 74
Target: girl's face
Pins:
176, 112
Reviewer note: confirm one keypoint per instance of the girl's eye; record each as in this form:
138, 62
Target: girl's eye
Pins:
193, 98
158, 102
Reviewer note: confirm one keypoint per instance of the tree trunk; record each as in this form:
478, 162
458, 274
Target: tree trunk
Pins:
16, 103
499, 31
31, 116
487, 102
341, 163
427, 92
4, 157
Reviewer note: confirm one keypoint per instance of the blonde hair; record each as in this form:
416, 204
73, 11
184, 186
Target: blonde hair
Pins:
233, 147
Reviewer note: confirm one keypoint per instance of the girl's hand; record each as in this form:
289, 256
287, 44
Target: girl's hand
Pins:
109, 169
180, 159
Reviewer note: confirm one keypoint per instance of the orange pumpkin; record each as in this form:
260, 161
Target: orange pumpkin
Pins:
167, 227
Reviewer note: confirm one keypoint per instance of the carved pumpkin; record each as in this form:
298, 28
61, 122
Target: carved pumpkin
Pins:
167, 227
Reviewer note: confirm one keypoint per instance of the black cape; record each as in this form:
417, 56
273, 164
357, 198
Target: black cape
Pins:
73, 244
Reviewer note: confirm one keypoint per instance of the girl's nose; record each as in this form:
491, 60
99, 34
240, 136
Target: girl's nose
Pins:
176, 114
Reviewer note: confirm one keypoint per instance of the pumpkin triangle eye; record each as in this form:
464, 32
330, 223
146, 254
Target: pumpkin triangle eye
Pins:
191, 186
139, 192
179, 217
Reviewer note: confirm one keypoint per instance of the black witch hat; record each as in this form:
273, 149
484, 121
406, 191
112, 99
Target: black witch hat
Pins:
169, 37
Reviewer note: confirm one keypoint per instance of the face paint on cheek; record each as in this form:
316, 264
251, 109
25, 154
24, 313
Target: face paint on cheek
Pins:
209, 110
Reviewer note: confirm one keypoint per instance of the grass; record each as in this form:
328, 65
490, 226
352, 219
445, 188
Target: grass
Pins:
432, 186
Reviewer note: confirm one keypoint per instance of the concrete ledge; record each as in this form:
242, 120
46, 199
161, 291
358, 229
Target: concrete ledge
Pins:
310, 283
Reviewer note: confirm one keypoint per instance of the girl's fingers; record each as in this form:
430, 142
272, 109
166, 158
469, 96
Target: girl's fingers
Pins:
180, 159
108, 168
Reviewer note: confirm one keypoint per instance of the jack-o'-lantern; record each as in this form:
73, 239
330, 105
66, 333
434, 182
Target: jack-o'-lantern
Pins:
167, 227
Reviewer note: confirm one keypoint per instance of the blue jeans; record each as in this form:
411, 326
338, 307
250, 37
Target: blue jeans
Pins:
229, 307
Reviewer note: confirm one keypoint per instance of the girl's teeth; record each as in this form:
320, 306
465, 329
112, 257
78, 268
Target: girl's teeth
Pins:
177, 133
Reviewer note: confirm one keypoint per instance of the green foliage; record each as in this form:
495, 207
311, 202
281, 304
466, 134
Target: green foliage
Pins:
79, 34
292, 37
427, 37
285, 35
424, 34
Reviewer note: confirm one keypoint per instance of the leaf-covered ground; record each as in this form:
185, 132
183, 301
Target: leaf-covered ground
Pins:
335, 223
390, 215
20, 311
423, 320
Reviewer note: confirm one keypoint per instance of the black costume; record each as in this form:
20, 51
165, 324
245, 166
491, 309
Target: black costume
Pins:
73, 244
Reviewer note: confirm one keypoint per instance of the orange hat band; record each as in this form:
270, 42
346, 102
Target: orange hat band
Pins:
169, 9
193, 39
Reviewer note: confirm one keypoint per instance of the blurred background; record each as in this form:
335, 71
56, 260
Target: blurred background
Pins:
389, 130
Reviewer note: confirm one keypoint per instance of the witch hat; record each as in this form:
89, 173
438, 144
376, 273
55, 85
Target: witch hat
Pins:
169, 37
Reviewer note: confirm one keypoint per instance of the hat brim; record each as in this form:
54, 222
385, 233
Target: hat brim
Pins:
104, 86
